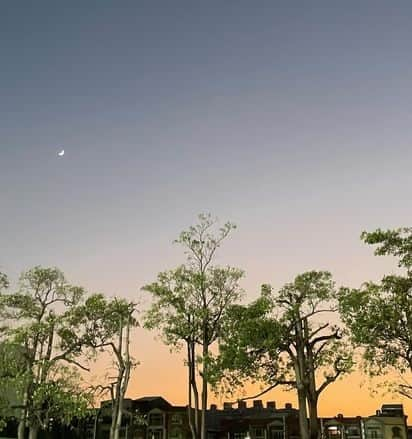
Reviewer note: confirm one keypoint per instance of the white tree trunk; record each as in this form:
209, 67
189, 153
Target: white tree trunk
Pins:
122, 381
33, 432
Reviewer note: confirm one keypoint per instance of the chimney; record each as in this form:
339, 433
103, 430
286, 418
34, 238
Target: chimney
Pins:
339, 416
288, 406
241, 404
378, 412
227, 406
257, 404
213, 407
271, 405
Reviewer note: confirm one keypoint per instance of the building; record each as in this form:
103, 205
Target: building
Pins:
150, 417
162, 420
387, 423
254, 422
153, 417
341, 427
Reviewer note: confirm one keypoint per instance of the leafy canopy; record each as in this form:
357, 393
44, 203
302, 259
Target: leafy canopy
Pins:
379, 314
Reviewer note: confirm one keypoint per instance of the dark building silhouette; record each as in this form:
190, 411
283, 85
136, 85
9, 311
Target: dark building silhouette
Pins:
153, 417
162, 420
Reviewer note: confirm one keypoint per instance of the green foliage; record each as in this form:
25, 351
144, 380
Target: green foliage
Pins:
12, 373
261, 340
40, 291
397, 243
190, 305
190, 301
250, 347
96, 322
202, 240
379, 315
55, 330
4, 281
61, 398
43, 336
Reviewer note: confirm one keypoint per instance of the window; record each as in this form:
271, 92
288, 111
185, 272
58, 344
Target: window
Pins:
239, 435
352, 431
176, 419
156, 419
175, 433
155, 434
258, 433
334, 431
373, 433
276, 432
396, 432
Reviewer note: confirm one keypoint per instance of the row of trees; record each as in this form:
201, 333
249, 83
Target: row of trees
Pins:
302, 336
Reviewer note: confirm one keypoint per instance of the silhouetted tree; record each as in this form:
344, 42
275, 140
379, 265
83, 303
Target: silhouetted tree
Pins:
108, 323
285, 338
379, 314
190, 306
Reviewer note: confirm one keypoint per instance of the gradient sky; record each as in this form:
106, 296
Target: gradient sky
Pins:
292, 119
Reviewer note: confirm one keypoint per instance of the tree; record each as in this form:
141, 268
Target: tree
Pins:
280, 340
108, 323
41, 327
10, 363
379, 314
190, 306
4, 284
11, 370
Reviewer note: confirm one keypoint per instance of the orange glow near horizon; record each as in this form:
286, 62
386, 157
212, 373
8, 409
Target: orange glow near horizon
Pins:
163, 374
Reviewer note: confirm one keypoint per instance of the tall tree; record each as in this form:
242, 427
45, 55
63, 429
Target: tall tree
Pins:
379, 314
190, 305
286, 338
108, 323
41, 328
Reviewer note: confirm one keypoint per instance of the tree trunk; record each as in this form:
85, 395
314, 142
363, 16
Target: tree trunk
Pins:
28, 389
33, 431
116, 407
303, 415
204, 391
193, 416
314, 429
124, 364
124, 382
195, 391
312, 394
189, 410
117, 418
21, 430
300, 372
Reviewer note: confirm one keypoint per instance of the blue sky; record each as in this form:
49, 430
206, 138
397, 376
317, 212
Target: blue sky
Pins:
292, 119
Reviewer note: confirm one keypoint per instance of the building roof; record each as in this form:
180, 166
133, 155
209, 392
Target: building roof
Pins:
147, 403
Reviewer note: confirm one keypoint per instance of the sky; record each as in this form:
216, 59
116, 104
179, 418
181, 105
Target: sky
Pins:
291, 119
